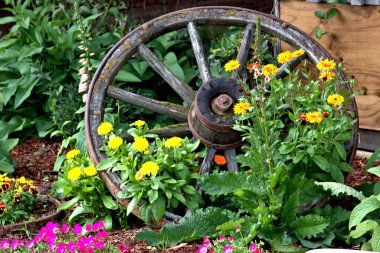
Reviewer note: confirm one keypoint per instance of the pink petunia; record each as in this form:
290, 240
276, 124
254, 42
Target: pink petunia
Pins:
228, 249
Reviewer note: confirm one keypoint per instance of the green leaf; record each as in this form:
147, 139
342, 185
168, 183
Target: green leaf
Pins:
80, 210
310, 225
341, 151
7, 43
360, 211
375, 170
339, 189
109, 202
179, 197
69, 204
125, 76
376, 240
320, 14
331, 13
375, 156
290, 209
106, 163
23, 93
158, 208
6, 167
364, 227
151, 237
336, 173
344, 136
132, 205
152, 195
6, 20
318, 32
321, 162
58, 162
91, 18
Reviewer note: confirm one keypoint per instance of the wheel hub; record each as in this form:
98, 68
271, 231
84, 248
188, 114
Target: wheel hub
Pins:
211, 115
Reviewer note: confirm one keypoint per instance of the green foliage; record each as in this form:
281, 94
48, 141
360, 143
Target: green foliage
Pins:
310, 225
339, 189
202, 222
375, 156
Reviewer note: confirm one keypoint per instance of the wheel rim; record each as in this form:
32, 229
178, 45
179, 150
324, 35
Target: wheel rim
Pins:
135, 42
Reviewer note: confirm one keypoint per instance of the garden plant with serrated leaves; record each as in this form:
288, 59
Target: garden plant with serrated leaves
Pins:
161, 172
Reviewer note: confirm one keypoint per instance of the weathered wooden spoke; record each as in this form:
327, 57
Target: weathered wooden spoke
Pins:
196, 42
244, 48
230, 155
174, 111
207, 161
182, 89
289, 66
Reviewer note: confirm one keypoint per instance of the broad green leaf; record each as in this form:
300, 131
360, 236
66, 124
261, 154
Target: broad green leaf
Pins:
376, 239
125, 76
6, 167
344, 136
364, 227
109, 202
331, 13
290, 209
23, 93
107, 222
360, 211
310, 225
132, 205
320, 14
321, 162
336, 173
106, 164
318, 32
375, 170
158, 208
179, 197
339, 147
7, 43
80, 210
58, 162
69, 204
338, 189
87, 21
6, 20
375, 156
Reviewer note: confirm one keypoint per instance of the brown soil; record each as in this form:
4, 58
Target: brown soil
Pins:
36, 158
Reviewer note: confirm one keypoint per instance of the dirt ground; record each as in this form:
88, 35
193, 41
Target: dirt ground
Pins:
35, 158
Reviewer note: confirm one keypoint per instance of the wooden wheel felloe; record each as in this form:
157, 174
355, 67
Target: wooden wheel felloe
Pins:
207, 114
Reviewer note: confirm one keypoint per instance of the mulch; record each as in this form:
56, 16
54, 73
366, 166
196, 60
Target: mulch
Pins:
35, 159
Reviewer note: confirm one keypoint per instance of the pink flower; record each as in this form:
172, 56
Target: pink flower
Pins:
52, 246
90, 240
101, 234
267, 79
77, 229
101, 224
221, 238
71, 245
202, 249
95, 227
100, 245
231, 239
52, 227
228, 249
123, 249
252, 247
238, 228
65, 228
4, 244
89, 227
61, 248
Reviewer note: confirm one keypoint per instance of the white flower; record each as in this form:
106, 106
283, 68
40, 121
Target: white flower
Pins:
84, 98
83, 78
83, 87
82, 71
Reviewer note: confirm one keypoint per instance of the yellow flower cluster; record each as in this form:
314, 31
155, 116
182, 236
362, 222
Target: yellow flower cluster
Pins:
231, 65
335, 100
140, 144
270, 70
326, 67
314, 117
115, 142
174, 142
105, 128
241, 108
75, 173
147, 169
287, 56
90, 171
138, 123
72, 154
18, 185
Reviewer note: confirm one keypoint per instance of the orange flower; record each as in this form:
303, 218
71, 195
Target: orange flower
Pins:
220, 160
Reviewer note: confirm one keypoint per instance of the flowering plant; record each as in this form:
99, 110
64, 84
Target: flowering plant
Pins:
18, 198
161, 171
54, 238
79, 179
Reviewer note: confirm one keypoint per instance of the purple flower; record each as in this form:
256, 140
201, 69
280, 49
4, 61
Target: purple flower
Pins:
100, 245
52, 227
65, 228
90, 240
4, 244
71, 246
228, 249
202, 249
61, 248
52, 246
77, 229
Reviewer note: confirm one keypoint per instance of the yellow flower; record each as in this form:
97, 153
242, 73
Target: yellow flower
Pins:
115, 142
75, 173
327, 76
147, 169
72, 153
270, 70
146, 152
140, 144
231, 65
138, 123
314, 117
298, 53
335, 99
241, 108
285, 57
174, 142
90, 171
105, 128
326, 65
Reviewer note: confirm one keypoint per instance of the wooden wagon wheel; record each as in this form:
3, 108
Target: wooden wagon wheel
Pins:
200, 120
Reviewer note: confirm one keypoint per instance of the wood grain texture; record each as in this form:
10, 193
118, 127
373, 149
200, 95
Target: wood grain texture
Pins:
353, 37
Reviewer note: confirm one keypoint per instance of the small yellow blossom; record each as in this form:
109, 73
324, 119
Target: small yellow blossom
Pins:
146, 152
231, 65
138, 123
147, 169
72, 154
326, 65
140, 144
335, 100
285, 57
270, 70
327, 76
90, 171
241, 108
174, 142
115, 142
298, 53
75, 173
314, 117
105, 128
